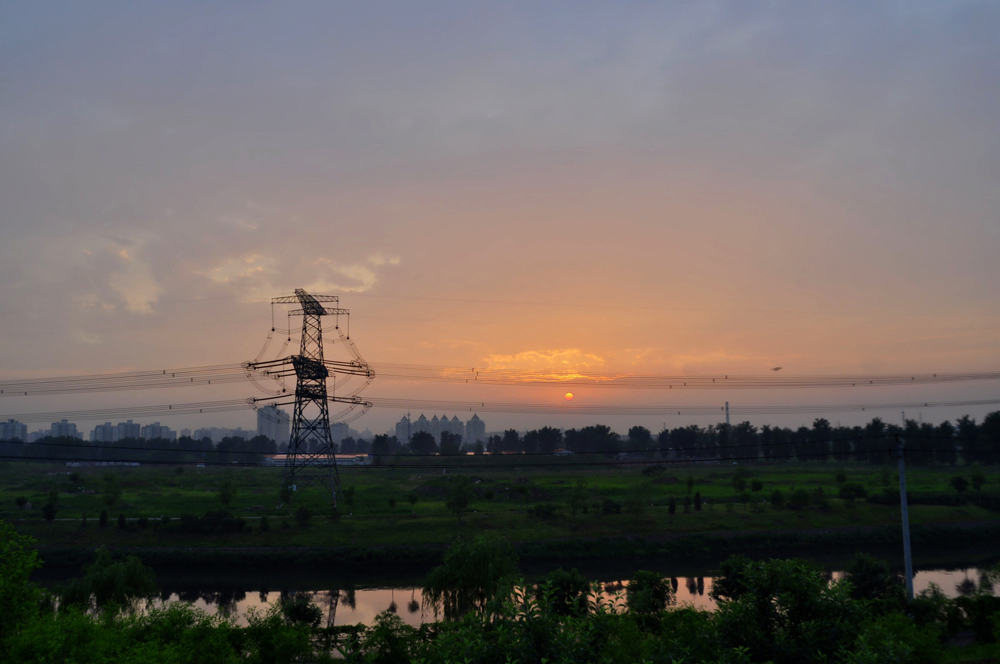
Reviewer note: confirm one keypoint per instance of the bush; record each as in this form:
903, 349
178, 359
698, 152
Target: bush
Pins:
697, 501
672, 506
778, 498
565, 593
21, 501
648, 593
303, 515
299, 610
143, 522
609, 506
121, 521
103, 519
852, 491
49, 512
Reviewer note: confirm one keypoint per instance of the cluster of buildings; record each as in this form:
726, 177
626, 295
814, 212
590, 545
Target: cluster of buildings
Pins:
272, 422
471, 431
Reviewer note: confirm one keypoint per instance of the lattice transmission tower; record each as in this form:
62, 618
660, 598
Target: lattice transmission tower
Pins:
311, 451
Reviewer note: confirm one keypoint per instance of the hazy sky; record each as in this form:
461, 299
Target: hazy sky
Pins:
644, 187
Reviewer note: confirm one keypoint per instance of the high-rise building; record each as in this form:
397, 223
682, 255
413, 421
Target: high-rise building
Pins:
475, 429
404, 429
128, 429
63, 429
274, 423
156, 431
13, 430
104, 433
339, 431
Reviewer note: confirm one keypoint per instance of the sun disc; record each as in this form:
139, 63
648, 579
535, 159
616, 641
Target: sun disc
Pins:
569, 396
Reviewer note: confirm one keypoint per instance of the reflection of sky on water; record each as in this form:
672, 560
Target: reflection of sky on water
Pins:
362, 605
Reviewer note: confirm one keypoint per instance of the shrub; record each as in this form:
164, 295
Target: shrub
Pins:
103, 519
609, 506
143, 522
672, 505
49, 512
756, 486
303, 516
778, 498
648, 592
841, 477
121, 521
697, 501
21, 501
959, 484
852, 491
299, 610
565, 593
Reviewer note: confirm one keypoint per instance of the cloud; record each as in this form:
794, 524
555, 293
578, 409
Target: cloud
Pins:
572, 359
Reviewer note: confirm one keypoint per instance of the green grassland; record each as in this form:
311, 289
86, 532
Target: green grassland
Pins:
369, 520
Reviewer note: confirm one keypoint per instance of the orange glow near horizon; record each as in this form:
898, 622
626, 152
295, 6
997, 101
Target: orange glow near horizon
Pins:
569, 396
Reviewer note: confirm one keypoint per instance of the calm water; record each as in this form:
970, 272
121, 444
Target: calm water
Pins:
361, 604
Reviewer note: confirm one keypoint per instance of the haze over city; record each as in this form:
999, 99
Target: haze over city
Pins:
687, 189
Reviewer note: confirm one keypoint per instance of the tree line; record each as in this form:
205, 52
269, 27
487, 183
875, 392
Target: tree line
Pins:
946, 443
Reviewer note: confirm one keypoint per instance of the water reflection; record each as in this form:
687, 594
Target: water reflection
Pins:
350, 606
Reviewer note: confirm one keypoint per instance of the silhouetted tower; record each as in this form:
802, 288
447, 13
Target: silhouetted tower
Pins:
311, 450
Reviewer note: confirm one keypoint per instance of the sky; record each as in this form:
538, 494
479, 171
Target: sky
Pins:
685, 187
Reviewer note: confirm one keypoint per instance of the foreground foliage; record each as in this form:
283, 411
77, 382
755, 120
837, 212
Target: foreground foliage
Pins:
779, 611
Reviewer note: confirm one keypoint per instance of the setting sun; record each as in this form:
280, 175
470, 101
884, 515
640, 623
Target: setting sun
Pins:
569, 396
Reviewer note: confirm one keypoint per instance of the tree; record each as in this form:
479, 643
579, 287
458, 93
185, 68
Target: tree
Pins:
977, 479
512, 441
458, 498
639, 439
565, 593
473, 573
423, 442
672, 506
756, 486
451, 444
690, 484
112, 586
381, 448
102, 521
18, 596
840, 477
697, 501
648, 593
778, 498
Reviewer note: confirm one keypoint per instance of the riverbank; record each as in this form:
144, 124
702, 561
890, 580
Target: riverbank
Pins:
927, 541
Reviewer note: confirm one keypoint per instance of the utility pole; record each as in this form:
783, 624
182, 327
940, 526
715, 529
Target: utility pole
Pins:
310, 462
905, 513
727, 413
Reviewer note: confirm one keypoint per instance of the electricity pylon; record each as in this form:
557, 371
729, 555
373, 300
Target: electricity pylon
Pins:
311, 450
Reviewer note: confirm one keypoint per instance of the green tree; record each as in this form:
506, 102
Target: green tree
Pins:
564, 593
799, 500
110, 585
473, 573
423, 443
18, 596
648, 593
976, 479
852, 491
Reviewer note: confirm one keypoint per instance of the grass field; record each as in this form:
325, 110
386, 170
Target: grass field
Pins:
369, 520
